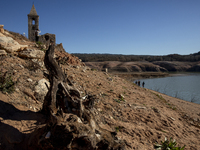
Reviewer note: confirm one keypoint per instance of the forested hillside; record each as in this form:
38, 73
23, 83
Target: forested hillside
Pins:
126, 58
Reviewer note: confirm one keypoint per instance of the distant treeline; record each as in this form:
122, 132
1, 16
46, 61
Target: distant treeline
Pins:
126, 58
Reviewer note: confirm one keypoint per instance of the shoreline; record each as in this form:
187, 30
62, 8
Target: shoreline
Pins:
132, 76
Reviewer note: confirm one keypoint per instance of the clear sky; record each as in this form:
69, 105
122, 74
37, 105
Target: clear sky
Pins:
138, 27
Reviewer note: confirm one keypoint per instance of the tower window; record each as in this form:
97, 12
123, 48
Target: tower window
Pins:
33, 22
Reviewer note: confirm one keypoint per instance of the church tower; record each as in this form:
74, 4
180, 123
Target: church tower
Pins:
33, 23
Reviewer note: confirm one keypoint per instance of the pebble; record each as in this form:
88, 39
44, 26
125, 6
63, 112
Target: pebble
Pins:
29, 80
99, 109
21, 66
172, 118
139, 107
79, 120
110, 79
17, 89
196, 119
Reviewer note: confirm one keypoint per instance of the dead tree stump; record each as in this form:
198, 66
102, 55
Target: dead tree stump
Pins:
71, 124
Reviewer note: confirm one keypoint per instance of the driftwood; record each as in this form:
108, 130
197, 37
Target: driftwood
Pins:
71, 123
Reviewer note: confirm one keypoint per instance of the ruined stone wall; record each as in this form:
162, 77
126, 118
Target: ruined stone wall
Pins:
59, 47
43, 40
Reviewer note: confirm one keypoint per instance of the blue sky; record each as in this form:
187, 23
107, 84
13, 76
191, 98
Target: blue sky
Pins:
138, 27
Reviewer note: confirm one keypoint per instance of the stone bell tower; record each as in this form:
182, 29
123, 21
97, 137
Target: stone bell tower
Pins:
33, 23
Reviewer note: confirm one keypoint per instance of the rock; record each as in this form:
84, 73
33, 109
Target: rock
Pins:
21, 66
41, 89
10, 45
110, 117
43, 46
32, 53
17, 90
191, 122
110, 79
1, 28
2, 35
139, 107
121, 96
41, 63
3, 53
99, 109
172, 118
155, 110
77, 67
29, 80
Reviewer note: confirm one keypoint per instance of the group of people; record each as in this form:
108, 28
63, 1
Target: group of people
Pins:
138, 83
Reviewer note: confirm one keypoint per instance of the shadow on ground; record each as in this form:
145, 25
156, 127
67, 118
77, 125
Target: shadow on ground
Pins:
11, 121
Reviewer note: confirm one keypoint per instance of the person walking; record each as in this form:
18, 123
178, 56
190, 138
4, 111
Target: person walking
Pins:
143, 84
138, 83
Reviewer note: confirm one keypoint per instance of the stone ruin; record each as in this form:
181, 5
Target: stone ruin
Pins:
33, 24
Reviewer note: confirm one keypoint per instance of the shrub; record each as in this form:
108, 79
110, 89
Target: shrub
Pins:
118, 128
39, 43
117, 100
168, 145
6, 83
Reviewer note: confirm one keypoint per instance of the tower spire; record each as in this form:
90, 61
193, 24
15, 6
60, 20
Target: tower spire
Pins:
33, 10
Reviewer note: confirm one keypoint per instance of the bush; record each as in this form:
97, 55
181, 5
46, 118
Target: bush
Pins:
168, 145
39, 43
6, 83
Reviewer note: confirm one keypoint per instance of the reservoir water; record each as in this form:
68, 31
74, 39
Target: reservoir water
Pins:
184, 86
